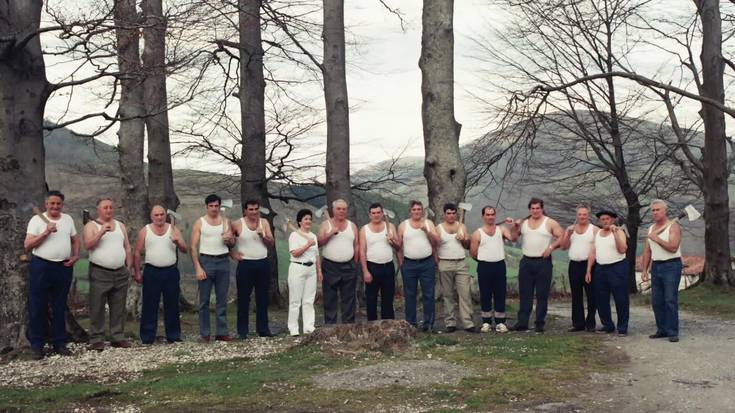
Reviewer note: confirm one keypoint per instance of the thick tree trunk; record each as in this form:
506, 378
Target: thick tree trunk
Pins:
253, 184
160, 172
633, 222
23, 94
131, 133
716, 198
443, 167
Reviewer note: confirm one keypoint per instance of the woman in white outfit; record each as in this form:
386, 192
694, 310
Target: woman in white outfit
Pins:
303, 272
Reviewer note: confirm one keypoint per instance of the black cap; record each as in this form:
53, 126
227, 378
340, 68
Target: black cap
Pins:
606, 212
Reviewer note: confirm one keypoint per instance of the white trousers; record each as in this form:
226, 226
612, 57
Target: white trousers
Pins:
301, 293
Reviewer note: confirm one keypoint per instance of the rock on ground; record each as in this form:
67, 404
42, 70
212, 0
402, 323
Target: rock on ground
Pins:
383, 335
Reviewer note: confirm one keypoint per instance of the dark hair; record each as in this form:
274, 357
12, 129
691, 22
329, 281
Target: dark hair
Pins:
413, 203
212, 198
486, 207
55, 193
375, 205
450, 207
250, 202
535, 201
302, 213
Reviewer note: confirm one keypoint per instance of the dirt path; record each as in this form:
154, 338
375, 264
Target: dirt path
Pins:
695, 374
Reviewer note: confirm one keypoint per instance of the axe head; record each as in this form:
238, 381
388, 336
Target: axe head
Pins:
265, 211
465, 205
429, 212
690, 213
28, 207
390, 214
320, 212
226, 203
173, 214
85, 216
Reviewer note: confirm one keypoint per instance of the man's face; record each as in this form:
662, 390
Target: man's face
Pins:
606, 221
450, 216
536, 211
54, 205
489, 216
158, 216
376, 215
417, 212
583, 216
105, 210
252, 211
658, 212
340, 210
213, 209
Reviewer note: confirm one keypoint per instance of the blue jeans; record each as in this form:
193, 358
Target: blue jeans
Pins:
156, 282
218, 275
413, 273
48, 282
665, 278
612, 279
252, 274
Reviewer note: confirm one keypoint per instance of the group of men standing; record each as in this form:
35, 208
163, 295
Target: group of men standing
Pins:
598, 268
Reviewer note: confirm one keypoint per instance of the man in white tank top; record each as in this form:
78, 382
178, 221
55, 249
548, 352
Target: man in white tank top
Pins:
110, 268
418, 240
338, 238
662, 256
378, 240
579, 239
541, 235
607, 260
211, 239
253, 239
454, 274
160, 276
55, 246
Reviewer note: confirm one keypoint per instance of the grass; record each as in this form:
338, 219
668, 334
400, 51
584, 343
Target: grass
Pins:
705, 298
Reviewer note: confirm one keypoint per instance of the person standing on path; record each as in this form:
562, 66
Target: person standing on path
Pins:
662, 257
55, 246
377, 243
303, 273
579, 239
110, 268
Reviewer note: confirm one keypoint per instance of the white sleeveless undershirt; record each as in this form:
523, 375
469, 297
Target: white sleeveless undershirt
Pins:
579, 248
491, 248
605, 250
658, 253
416, 245
377, 247
450, 248
535, 241
249, 243
159, 249
340, 247
110, 251
210, 240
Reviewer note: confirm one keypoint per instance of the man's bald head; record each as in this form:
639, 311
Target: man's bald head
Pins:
158, 214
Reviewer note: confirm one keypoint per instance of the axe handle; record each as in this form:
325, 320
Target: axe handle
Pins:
661, 231
461, 216
39, 213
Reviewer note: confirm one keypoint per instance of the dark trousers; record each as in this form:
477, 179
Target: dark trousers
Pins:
384, 282
534, 275
577, 271
612, 279
48, 282
413, 272
252, 274
665, 278
340, 281
156, 282
492, 279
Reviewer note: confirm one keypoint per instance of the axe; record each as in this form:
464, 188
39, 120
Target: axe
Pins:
323, 213
689, 212
387, 216
85, 216
428, 213
175, 216
224, 206
463, 207
36, 211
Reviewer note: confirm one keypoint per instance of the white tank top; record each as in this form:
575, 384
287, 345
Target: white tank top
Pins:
657, 251
535, 241
377, 248
416, 245
579, 248
249, 243
159, 249
450, 248
110, 252
605, 250
491, 248
210, 240
341, 247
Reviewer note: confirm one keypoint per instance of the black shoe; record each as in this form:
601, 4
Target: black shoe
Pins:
517, 327
603, 330
174, 341
574, 329
658, 335
450, 329
622, 333
471, 330
674, 339
63, 351
266, 334
37, 354
538, 328
590, 329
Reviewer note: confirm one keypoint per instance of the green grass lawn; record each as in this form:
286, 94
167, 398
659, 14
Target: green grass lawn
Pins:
705, 298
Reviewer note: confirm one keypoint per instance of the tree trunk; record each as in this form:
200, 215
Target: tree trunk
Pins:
160, 172
23, 93
716, 198
443, 167
131, 133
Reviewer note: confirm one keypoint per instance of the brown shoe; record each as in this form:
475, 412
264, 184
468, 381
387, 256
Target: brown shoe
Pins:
121, 344
223, 338
98, 346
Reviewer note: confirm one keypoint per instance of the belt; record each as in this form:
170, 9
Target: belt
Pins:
667, 261
451, 259
105, 268
375, 263
536, 258
418, 260
49, 261
214, 256
578, 261
610, 264
305, 264
160, 268
338, 262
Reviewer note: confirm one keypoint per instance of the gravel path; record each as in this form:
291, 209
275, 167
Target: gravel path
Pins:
697, 374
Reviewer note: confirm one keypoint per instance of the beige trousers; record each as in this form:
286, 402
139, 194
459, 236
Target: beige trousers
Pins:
455, 281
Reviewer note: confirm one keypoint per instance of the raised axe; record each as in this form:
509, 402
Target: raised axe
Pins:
224, 206
175, 216
689, 212
387, 216
428, 213
463, 207
323, 213
36, 211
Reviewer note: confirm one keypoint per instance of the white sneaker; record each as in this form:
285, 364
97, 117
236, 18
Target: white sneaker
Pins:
501, 328
486, 328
